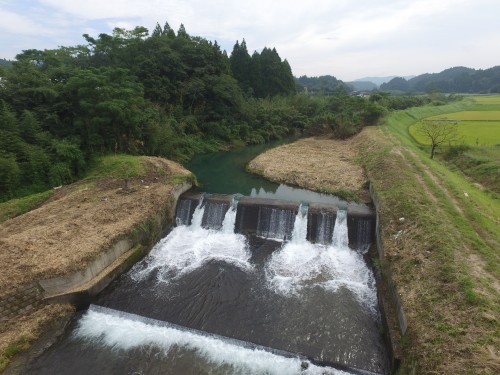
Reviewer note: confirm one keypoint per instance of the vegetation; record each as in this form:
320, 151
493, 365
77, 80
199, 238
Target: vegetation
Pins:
453, 80
437, 133
16, 207
476, 153
116, 166
325, 85
5, 63
165, 94
445, 258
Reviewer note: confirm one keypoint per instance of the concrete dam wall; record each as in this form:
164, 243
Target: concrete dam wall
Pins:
274, 218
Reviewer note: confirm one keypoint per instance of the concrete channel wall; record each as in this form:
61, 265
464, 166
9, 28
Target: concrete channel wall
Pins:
389, 301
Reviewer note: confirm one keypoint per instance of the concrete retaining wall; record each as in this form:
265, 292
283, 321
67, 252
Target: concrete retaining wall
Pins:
389, 301
128, 249
21, 301
249, 211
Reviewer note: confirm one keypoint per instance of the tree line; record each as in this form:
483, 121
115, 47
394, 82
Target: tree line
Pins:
166, 93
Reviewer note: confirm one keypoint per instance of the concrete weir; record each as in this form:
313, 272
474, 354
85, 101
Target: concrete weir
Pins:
275, 218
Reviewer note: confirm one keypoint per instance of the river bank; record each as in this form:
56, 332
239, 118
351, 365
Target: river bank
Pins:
319, 164
67, 233
444, 280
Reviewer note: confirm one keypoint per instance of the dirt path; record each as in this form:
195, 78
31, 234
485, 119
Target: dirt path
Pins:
468, 256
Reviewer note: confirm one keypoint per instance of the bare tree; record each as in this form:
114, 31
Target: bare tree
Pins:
438, 132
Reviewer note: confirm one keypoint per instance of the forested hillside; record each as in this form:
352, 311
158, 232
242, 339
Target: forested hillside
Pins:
453, 80
321, 85
165, 94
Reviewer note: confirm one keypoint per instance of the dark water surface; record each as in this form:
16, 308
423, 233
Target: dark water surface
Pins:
317, 301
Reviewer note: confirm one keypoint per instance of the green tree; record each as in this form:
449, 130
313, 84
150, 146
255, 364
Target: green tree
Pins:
9, 175
108, 106
240, 62
438, 133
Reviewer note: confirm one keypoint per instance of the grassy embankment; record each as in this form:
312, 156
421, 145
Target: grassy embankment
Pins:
16, 335
112, 166
444, 256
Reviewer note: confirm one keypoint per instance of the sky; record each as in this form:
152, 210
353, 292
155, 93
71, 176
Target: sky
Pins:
348, 39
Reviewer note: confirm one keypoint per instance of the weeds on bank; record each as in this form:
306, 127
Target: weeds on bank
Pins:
19, 206
11, 350
449, 316
116, 166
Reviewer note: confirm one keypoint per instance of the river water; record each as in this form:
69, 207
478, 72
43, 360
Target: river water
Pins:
212, 301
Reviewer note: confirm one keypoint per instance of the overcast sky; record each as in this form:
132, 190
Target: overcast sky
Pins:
346, 38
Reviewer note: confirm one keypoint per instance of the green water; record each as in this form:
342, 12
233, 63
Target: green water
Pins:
224, 173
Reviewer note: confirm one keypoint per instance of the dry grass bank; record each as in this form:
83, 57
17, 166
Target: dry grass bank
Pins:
67, 232
320, 164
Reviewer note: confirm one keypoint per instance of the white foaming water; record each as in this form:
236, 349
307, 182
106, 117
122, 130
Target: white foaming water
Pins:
121, 333
197, 215
299, 234
188, 248
301, 264
229, 220
340, 236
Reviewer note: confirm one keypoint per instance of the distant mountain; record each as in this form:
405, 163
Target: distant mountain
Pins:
362, 85
322, 84
379, 80
453, 80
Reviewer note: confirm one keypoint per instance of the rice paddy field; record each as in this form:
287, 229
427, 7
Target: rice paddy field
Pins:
479, 126
477, 154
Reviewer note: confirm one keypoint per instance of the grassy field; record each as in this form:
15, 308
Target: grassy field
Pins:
478, 125
476, 115
445, 256
19, 206
477, 153
487, 99
473, 133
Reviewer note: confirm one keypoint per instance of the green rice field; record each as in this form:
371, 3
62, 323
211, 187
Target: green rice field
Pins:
473, 133
469, 116
477, 127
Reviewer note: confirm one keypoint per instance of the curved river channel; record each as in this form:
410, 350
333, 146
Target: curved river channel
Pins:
209, 300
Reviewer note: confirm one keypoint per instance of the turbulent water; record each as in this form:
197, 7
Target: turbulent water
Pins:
295, 296
126, 332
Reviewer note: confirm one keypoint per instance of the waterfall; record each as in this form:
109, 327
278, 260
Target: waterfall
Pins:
124, 331
340, 236
275, 223
230, 218
183, 212
198, 215
324, 229
299, 234
214, 214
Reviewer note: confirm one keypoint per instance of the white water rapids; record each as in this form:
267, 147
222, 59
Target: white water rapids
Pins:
295, 268
122, 333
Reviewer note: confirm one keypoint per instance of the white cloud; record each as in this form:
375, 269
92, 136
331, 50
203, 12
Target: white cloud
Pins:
14, 23
346, 38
